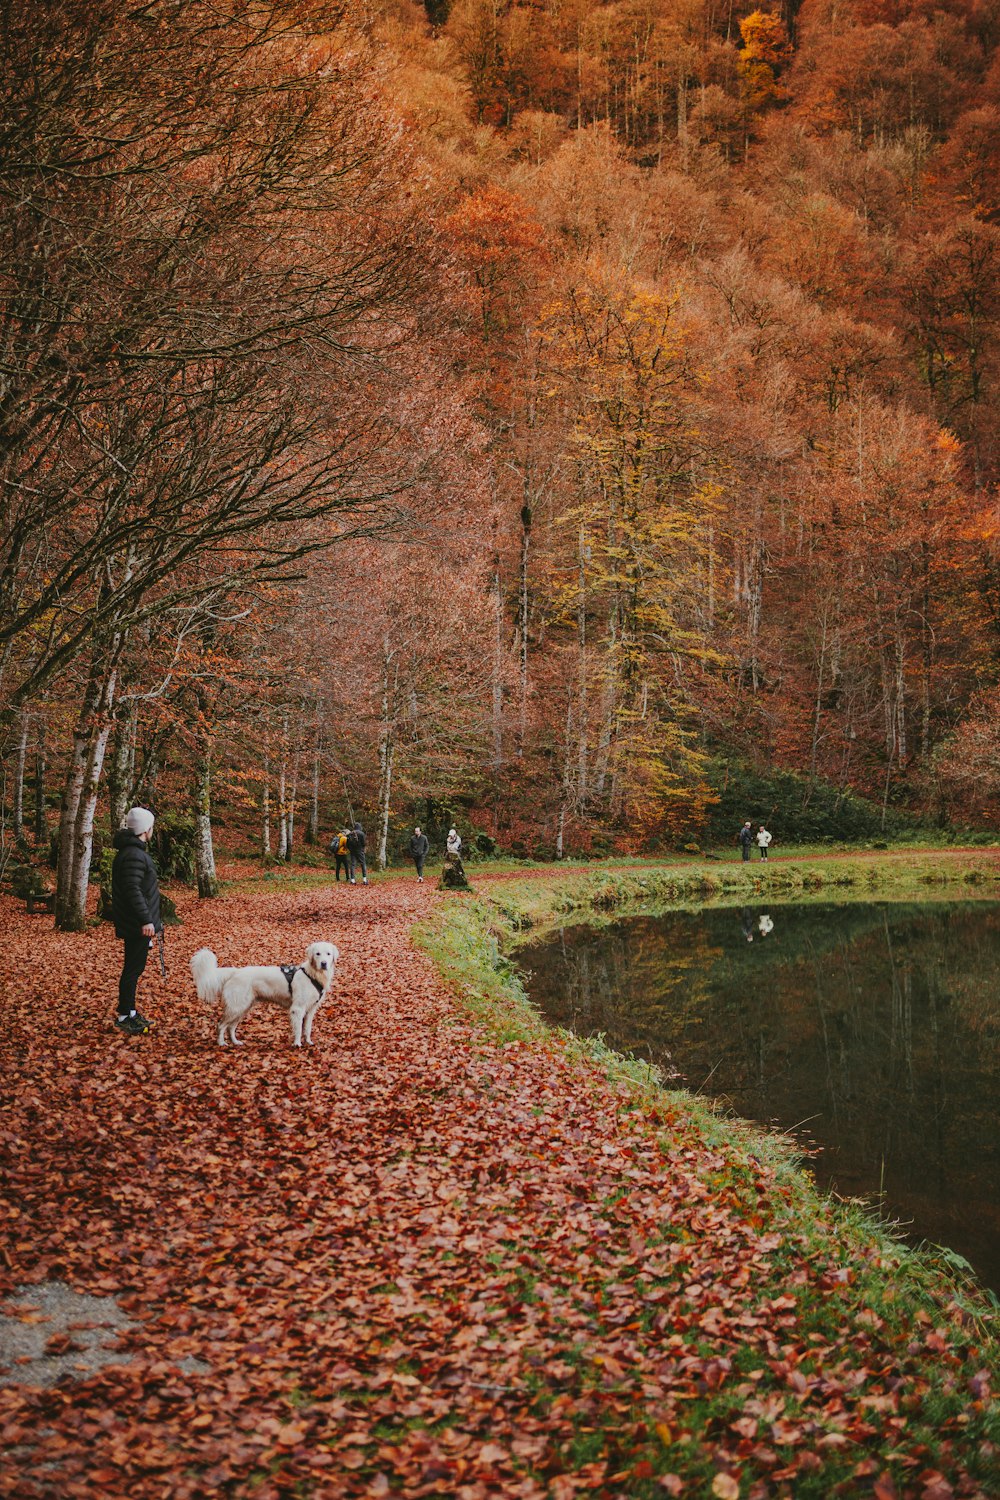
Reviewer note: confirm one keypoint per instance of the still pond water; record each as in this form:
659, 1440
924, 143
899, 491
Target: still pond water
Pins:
870, 1032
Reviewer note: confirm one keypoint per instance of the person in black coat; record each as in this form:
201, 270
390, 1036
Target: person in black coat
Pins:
418, 852
745, 838
135, 907
356, 849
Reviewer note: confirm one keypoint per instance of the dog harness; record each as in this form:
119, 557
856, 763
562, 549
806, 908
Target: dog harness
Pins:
290, 971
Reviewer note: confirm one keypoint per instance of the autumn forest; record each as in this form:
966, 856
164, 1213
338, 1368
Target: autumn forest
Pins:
534, 415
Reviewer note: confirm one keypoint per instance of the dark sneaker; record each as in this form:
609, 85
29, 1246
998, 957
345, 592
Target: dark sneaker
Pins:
132, 1025
148, 1024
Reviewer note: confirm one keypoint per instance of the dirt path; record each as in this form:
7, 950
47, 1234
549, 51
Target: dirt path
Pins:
410, 1261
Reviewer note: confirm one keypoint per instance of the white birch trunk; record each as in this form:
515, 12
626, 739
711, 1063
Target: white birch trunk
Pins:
292, 798
385, 800
282, 795
204, 850
121, 773
79, 803
265, 809
312, 827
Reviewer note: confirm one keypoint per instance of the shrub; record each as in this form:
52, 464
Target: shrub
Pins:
799, 810
26, 881
173, 847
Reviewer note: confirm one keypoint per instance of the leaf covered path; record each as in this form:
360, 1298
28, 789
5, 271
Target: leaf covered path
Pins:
417, 1261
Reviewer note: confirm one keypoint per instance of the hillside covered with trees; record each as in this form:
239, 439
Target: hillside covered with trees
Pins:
538, 415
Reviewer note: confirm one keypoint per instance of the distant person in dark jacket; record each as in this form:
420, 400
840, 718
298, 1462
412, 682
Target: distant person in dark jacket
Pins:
418, 852
745, 838
135, 907
356, 849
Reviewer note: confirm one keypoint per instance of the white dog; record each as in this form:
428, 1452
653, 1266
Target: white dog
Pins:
300, 988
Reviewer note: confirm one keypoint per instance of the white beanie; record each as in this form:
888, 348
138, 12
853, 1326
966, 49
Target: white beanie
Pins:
139, 819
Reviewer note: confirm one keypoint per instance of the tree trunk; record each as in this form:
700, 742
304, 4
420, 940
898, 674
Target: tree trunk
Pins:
583, 712
903, 754
292, 798
41, 827
386, 748
121, 770
387, 756
312, 827
265, 810
17, 808
819, 699
79, 801
497, 669
204, 851
526, 517
282, 793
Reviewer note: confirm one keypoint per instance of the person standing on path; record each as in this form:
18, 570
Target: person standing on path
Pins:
763, 839
418, 852
745, 838
356, 842
341, 857
135, 908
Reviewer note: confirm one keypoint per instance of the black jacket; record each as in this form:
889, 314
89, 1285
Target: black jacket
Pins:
745, 836
135, 891
356, 839
418, 845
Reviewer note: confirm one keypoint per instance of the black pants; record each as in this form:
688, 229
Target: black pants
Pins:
763, 853
359, 859
746, 851
341, 859
136, 953
418, 860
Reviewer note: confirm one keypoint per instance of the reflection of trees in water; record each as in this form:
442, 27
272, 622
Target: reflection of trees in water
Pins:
621, 980
878, 1025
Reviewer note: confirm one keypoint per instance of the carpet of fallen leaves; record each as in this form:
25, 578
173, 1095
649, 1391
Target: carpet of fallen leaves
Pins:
416, 1261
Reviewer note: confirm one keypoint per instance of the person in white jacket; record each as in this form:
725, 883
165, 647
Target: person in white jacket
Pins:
763, 839
454, 842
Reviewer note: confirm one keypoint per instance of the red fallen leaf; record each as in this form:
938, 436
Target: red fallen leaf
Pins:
935, 1486
786, 1434
883, 1488
290, 1435
492, 1453
61, 1343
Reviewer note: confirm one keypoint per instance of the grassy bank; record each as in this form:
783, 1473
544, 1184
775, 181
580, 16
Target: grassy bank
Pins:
908, 875
896, 1289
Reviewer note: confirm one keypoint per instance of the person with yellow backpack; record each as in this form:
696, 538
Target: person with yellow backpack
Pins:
341, 854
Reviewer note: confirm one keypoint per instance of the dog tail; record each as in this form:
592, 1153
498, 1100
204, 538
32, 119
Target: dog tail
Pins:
205, 968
